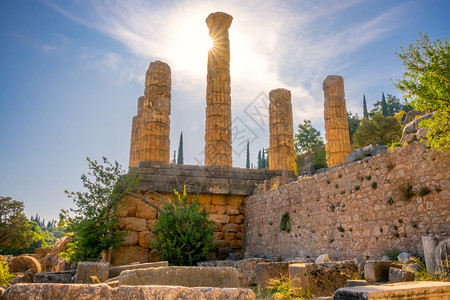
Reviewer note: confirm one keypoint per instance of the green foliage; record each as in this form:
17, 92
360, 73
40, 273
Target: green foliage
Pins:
406, 190
389, 106
307, 137
424, 191
378, 130
319, 158
247, 161
384, 110
280, 288
353, 122
5, 275
285, 223
426, 82
341, 229
263, 159
184, 234
394, 145
15, 231
95, 224
180, 159
392, 254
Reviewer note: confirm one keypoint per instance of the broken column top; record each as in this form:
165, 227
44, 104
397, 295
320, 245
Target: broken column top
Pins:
332, 80
158, 73
218, 22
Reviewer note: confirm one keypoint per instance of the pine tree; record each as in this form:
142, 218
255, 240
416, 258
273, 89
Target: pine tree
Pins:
247, 163
365, 114
384, 109
263, 160
180, 159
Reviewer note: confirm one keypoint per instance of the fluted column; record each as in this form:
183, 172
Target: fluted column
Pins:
218, 150
336, 123
150, 133
281, 132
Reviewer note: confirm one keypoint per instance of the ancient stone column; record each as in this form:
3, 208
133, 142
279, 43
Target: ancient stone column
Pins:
218, 90
336, 123
150, 133
281, 132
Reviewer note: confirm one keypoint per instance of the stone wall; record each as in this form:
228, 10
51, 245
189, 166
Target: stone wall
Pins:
360, 209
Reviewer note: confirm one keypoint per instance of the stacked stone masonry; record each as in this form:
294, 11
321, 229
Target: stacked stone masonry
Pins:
222, 191
360, 209
281, 141
336, 123
150, 133
218, 150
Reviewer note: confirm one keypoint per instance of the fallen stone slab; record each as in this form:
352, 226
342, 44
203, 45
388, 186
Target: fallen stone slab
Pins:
265, 272
92, 272
55, 277
44, 291
321, 279
424, 290
116, 270
182, 276
378, 270
23, 263
246, 268
399, 275
360, 282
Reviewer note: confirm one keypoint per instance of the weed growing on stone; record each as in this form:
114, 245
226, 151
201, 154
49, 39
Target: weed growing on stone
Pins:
368, 178
390, 201
390, 166
424, 191
5, 275
406, 190
280, 288
285, 223
341, 229
357, 188
374, 185
392, 254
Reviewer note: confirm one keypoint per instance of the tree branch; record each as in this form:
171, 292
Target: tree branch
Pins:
146, 201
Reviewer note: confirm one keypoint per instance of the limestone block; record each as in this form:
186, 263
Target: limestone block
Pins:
399, 275
86, 271
127, 207
123, 255
221, 219
182, 276
55, 277
146, 238
132, 223
42, 252
130, 239
153, 255
442, 256
270, 270
321, 279
378, 270
145, 211
22, 263
429, 246
115, 271
232, 228
421, 133
323, 258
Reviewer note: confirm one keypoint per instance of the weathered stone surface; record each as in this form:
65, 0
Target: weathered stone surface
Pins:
218, 91
378, 270
399, 275
23, 263
426, 290
442, 256
404, 257
131, 238
115, 271
150, 133
336, 123
429, 247
131, 223
55, 277
90, 272
323, 258
421, 133
45, 291
145, 238
123, 255
42, 252
321, 279
270, 270
364, 152
26, 277
281, 140
183, 276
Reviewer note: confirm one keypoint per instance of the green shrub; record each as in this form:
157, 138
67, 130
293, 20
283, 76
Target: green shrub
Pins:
285, 223
5, 276
184, 234
392, 253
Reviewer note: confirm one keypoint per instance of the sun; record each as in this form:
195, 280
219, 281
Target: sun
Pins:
190, 43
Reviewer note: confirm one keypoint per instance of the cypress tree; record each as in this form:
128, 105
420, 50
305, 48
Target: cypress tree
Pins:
174, 159
259, 159
365, 113
247, 163
180, 159
384, 109
263, 160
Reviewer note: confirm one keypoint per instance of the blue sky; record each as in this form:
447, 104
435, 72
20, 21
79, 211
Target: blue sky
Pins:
72, 71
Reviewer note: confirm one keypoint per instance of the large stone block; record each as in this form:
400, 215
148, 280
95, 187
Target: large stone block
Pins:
42, 291
321, 279
55, 277
182, 276
115, 271
23, 263
90, 272
399, 275
378, 270
123, 255
131, 223
270, 270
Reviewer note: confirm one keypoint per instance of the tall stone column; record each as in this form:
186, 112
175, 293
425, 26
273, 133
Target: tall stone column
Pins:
336, 123
218, 150
150, 133
281, 140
